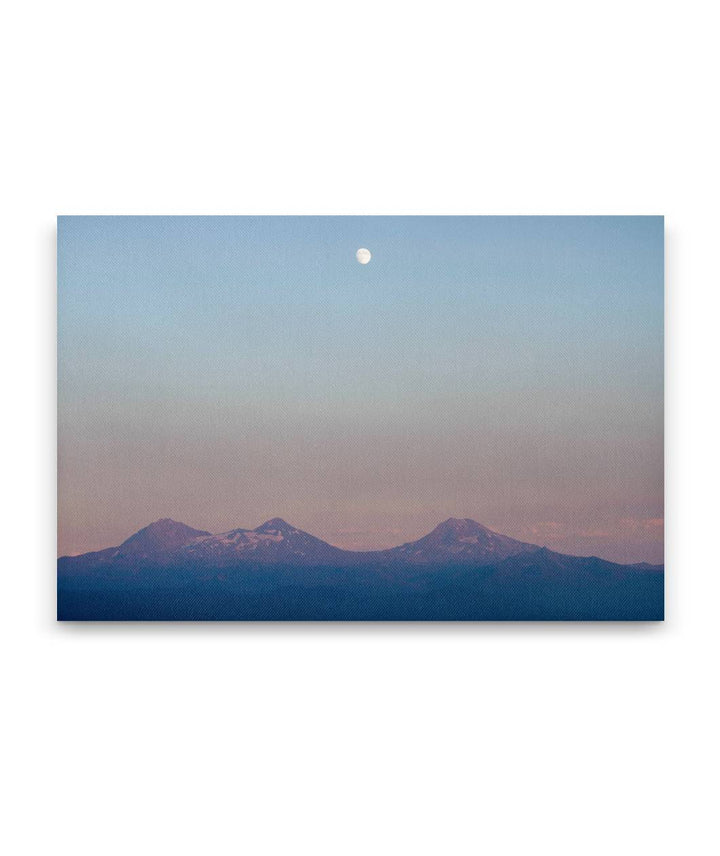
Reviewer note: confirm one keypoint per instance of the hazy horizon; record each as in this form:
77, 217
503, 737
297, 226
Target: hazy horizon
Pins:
224, 371
359, 549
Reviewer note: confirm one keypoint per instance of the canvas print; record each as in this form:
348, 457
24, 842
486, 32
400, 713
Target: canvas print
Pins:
360, 418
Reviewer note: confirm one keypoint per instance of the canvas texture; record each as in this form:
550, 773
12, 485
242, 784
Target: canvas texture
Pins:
360, 418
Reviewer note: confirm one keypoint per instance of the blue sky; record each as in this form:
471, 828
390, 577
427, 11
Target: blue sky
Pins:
224, 370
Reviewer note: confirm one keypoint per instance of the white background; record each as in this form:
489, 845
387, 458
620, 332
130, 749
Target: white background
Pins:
359, 739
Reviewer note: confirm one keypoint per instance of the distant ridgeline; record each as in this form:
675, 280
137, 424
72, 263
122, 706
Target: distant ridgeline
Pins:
461, 571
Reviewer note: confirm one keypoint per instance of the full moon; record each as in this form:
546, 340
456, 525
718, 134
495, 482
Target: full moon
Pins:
363, 256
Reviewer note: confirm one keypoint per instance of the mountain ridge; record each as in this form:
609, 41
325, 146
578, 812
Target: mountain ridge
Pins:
460, 571
455, 540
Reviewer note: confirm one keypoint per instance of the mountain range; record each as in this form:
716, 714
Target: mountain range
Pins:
460, 541
460, 570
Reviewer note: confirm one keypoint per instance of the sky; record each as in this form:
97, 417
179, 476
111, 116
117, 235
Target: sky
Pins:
221, 371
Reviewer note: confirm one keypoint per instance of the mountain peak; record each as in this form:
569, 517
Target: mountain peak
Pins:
461, 539
460, 526
274, 542
275, 524
163, 534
